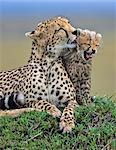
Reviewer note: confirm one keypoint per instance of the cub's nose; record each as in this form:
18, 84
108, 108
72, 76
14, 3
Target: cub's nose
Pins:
93, 51
74, 32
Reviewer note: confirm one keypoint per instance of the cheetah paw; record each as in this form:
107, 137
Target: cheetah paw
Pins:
54, 111
66, 124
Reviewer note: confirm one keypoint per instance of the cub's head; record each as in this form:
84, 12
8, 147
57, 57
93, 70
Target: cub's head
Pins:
88, 42
54, 35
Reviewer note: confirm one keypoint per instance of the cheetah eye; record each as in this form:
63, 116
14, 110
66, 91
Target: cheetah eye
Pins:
86, 44
97, 45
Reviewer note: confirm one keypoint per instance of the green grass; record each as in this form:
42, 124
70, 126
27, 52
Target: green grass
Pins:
95, 130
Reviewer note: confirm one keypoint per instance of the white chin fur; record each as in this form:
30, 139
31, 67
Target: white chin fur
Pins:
65, 46
71, 45
72, 38
82, 55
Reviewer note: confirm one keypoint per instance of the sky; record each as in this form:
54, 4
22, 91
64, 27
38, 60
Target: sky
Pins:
57, 0
30, 6
20, 16
13, 11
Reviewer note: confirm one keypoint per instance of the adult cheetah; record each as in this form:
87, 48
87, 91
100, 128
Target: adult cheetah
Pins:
43, 82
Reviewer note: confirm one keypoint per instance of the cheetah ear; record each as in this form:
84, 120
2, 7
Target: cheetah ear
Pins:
99, 36
39, 24
30, 34
80, 32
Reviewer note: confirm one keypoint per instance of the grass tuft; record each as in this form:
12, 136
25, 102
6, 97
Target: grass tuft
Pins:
95, 129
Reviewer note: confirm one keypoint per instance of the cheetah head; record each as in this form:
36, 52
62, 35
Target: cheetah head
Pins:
54, 35
88, 42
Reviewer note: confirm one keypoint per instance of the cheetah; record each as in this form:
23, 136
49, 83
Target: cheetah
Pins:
43, 84
78, 63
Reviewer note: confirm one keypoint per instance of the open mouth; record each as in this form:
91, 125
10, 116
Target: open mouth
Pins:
87, 55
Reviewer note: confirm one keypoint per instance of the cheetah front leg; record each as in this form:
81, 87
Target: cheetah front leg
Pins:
85, 87
33, 105
43, 105
67, 118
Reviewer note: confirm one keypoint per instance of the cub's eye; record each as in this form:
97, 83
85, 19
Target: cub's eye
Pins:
86, 44
96, 45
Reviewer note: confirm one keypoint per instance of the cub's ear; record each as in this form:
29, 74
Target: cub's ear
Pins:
80, 32
99, 36
32, 34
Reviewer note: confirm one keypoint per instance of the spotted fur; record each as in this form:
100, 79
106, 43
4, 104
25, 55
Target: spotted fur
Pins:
79, 63
43, 82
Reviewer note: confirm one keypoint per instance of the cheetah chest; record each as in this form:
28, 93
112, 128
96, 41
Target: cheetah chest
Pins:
48, 81
60, 88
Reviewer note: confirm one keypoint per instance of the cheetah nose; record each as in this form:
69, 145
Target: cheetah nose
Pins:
32, 32
93, 51
74, 32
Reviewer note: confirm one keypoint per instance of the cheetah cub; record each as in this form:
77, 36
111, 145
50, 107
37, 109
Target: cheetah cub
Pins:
79, 63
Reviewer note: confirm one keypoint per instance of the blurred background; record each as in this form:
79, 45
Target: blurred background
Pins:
20, 16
